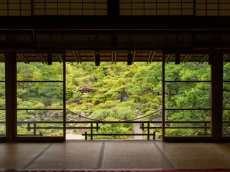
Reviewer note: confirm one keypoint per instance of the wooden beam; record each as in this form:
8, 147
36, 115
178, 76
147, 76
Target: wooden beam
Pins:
153, 54
184, 22
93, 52
75, 55
134, 55
58, 58
2, 57
184, 61
23, 59
27, 61
42, 58
225, 57
115, 57
168, 58
204, 58
79, 58
188, 56
150, 54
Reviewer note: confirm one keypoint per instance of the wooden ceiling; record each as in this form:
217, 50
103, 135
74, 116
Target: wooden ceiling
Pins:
113, 56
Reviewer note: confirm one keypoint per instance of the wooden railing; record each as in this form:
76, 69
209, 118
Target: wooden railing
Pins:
145, 125
148, 134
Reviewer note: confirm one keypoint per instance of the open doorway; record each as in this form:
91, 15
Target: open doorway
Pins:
114, 100
78, 101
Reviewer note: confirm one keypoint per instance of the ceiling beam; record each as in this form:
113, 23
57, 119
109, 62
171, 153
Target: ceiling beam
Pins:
153, 54
23, 59
75, 56
59, 60
187, 57
225, 57
168, 58
134, 55
93, 52
79, 58
184, 61
204, 58
2, 57
150, 53
41, 58
116, 22
60, 57
115, 57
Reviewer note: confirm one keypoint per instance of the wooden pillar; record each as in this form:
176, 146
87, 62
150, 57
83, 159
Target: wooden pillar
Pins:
217, 92
64, 96
11, 122
163, 96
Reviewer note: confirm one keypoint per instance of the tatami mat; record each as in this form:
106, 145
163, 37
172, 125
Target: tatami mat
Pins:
222, 147
194, 156
132, 155
69, 155
111, 155
17, 155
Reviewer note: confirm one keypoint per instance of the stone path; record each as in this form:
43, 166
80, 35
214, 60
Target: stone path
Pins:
137, 130
74, 137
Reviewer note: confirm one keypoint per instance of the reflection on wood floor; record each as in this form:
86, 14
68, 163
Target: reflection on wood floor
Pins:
149, 155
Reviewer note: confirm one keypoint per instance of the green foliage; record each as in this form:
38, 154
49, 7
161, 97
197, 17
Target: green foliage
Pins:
77, 95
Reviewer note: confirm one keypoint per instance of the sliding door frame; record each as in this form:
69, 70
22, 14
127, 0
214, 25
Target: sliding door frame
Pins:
216, 100
14, 96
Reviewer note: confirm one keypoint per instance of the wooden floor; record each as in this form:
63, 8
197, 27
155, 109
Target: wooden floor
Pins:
114, 155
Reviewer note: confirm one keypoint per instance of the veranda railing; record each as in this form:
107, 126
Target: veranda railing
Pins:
145, 125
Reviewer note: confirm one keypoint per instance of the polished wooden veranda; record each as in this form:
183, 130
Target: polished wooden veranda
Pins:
114, 155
